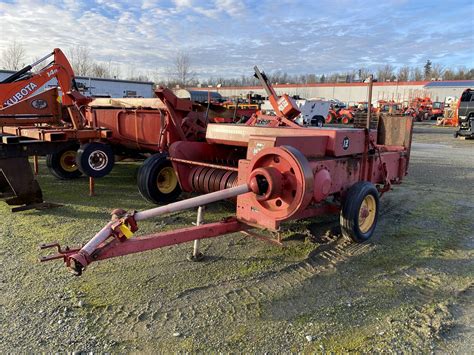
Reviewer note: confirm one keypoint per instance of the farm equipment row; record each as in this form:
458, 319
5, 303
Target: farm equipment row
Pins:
34, 122
92, 132
421, 109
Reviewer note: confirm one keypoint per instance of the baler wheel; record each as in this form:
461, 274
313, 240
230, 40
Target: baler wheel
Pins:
360, 212
63, 165
95, 159
157, 180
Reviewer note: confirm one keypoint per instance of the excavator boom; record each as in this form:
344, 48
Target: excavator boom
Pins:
19, 86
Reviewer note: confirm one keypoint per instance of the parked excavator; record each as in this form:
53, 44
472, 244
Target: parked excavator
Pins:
35, 122
22, 85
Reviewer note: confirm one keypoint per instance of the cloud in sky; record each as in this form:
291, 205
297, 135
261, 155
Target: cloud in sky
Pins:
228, 37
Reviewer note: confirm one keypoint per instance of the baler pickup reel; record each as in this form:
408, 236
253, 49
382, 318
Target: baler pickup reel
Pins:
287, 174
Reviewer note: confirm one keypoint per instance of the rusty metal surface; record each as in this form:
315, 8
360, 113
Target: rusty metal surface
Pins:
239, 135
211, 155
57, 134
131, 103
207, 179
394, 131
149, 125
198, 163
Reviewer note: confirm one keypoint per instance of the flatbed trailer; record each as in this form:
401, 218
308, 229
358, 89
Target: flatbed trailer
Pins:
18, 186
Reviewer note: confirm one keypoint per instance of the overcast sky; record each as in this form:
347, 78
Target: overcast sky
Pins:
227, 37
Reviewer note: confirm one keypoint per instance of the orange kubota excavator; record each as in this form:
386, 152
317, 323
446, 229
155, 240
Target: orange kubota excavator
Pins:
34, 122
20, 106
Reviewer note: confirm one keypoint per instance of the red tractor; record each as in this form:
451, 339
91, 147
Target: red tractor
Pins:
420, 109
339, 114
437, 110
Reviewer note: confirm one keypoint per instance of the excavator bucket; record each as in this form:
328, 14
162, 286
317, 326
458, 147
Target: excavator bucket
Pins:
18, 186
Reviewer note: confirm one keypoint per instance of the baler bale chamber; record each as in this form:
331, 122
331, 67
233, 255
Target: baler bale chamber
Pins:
298, 168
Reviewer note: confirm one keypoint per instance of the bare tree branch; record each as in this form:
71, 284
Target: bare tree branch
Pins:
81, 61
385, 73
13, 56
182, 69
403, 73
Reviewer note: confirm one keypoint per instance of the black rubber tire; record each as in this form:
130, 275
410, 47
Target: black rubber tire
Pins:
317, 121
53, 162
147, 180
349, 217
103, 154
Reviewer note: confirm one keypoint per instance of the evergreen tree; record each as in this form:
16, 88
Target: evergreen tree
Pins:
427, 68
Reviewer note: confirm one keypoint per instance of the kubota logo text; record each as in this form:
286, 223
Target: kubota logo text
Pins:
21, 94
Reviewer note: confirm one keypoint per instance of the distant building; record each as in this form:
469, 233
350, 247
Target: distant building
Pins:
99, 87
355, 92
440, 90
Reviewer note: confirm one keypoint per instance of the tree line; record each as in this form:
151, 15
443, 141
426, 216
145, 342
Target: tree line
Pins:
429, 71
181, 72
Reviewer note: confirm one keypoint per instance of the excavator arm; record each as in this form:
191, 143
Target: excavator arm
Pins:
20, 85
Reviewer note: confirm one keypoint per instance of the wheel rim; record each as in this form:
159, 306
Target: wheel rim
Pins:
367, 213
68, 161
98, 160
166, 180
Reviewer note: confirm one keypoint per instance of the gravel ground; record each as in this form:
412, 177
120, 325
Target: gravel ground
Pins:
409, 289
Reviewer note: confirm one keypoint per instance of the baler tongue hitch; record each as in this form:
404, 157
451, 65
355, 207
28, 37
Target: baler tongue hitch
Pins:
123, 225
61, 254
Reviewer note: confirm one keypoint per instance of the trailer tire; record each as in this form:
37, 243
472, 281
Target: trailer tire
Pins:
317, 121
360, 211
63, 164
157, 181
95, 159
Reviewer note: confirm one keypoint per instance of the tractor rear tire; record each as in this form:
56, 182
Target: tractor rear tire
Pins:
63, 164
331, 118
360, 211
157, 180
95, 159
